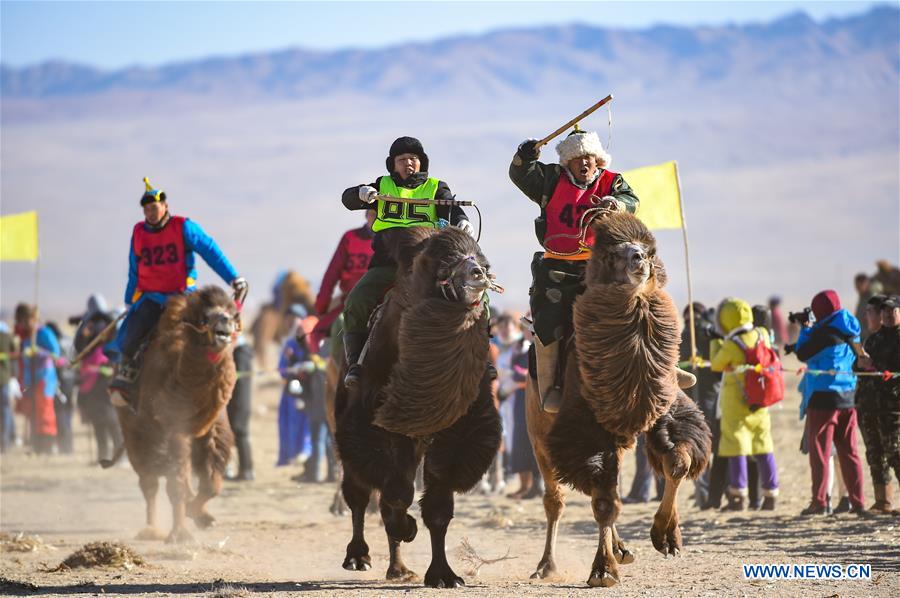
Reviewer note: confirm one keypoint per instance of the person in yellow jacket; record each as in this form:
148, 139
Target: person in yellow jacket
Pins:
744, 432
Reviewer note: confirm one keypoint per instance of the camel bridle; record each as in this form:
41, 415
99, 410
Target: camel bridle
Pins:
448, 290
205, 330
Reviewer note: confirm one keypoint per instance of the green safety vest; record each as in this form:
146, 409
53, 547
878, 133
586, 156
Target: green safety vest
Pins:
391, 214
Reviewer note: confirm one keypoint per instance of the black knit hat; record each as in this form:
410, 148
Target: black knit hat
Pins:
407, 145
876, 301
891, 302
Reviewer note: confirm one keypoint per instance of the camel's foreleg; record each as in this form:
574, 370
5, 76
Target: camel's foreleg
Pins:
396, 498
178, 487
666, 532
539, 424
554, 505
209, 456
678, 447
357, 497
437, 511
150, 487
606, 506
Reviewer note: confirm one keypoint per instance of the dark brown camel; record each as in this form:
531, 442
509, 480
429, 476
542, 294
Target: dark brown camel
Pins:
620, 381
180, 426
425, 394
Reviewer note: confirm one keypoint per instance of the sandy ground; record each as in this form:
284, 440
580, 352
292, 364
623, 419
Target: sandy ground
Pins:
275, 536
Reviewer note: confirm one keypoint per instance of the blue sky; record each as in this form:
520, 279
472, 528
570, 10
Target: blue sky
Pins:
118, 34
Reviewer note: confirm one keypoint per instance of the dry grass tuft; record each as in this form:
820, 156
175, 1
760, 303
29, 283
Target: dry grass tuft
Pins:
102, 554
227, 590
23, 542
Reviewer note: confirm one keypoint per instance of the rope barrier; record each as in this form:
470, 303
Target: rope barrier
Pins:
704, 364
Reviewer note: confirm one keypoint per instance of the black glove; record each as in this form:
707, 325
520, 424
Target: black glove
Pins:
528, 150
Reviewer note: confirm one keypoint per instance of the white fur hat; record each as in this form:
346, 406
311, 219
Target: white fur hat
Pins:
582, 143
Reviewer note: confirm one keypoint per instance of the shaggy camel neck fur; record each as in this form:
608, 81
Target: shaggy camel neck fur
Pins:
442, 346
188, 386
628, 335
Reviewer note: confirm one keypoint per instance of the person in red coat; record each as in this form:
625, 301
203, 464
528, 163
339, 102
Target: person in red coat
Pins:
348, 264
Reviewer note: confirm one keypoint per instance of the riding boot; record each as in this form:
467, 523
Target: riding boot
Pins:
685, 379
353, 347
121, 389
883, 499
548, 375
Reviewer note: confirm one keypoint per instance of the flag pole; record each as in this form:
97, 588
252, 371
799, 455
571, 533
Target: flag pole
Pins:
687, 263
34, 355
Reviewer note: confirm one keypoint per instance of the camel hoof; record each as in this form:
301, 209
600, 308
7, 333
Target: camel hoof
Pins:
666, 543
412, 528
362, 563
203, 520
402, 574
443, 577
545, 569
181, 536
624, 556
150, 533
602, 580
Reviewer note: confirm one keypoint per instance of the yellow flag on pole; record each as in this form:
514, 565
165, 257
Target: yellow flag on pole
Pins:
19, 237
660, 197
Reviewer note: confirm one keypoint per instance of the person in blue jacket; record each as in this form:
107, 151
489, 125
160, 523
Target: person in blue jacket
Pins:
831, 344
161, 263
37, 376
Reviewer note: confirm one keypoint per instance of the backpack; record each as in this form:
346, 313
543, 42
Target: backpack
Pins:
764, 388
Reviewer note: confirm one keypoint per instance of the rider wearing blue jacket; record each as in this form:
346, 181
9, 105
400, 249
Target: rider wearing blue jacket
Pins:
161, 263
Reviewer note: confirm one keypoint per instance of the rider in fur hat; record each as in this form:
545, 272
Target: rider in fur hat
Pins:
565, 191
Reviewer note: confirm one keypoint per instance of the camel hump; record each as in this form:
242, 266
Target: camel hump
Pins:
404, 244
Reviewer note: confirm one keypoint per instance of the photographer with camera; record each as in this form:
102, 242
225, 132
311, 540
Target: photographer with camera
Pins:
830, 343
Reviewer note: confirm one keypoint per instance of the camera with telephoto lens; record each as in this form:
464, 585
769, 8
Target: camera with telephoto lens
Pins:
801, 317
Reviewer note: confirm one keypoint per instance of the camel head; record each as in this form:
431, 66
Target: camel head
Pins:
451, 266
212, 317
625, 253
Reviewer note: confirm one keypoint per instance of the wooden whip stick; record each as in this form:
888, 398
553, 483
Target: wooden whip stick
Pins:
97, 340
578, 118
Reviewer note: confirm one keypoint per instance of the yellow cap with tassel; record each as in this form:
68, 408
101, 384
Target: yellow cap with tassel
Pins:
150, 194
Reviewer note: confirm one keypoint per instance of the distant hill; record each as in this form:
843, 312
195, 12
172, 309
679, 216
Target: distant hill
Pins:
861, 53
786, 133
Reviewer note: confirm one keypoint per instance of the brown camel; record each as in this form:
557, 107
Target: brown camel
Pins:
425, 394
619, 382
273, 322
180, 426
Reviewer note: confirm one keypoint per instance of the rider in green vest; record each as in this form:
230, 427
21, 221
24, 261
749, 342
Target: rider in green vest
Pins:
407, 164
